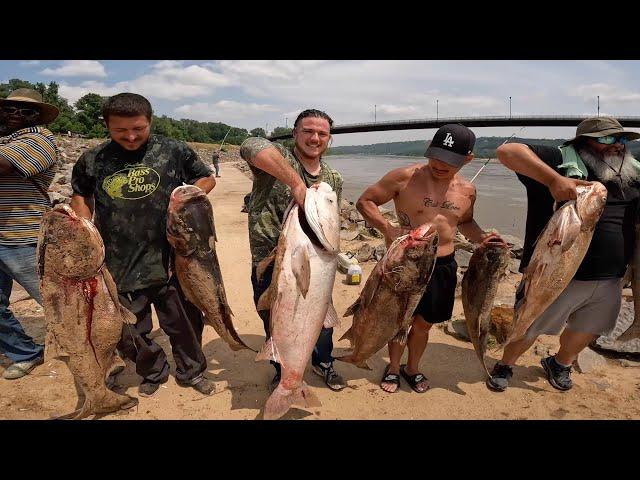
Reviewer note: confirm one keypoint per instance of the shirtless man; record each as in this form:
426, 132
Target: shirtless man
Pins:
423, 193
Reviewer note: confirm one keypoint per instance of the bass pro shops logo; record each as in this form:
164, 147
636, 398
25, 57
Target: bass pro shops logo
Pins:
132, 183
448, 141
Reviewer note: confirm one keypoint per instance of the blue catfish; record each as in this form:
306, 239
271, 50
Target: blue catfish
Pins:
83, 315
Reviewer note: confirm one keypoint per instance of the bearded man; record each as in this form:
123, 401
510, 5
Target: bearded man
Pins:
590, 304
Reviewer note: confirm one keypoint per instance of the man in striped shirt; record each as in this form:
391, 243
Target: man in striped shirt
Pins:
28, 155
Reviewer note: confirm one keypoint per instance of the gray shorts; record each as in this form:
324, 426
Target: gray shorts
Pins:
584, 306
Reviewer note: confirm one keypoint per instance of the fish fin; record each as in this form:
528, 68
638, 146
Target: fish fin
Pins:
264, 264
301, 268
265, 300
281, 400
331, 320
349, 359
352, 309
401, 336
269, 351
566, 230
348, 335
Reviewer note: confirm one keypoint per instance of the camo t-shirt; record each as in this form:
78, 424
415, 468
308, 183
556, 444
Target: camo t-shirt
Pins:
270, 197
131, 192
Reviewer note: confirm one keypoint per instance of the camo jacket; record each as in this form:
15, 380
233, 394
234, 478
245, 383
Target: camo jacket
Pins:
131, 191
270, 197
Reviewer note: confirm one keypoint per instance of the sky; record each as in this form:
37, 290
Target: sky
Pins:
270, 93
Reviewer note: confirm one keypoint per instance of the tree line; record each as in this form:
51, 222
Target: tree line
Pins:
84, 118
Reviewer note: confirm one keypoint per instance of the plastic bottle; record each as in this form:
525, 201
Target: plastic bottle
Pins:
354, 275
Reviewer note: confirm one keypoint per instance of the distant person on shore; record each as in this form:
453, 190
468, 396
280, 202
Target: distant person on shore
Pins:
428, 193
128, 180
28, 155
590, 304
278, 176
215, 158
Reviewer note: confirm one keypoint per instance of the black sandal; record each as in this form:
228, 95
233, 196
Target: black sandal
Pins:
414, 380
390, 378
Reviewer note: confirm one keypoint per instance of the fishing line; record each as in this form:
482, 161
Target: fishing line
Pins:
488, 159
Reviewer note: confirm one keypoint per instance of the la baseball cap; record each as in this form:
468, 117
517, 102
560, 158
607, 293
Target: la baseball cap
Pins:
451, 144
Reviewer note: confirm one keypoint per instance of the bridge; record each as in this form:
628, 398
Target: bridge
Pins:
521, 121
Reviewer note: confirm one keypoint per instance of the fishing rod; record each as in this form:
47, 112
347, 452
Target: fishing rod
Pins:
488, 159
225, 137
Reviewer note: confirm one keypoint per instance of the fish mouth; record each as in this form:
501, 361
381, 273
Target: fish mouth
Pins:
319, 219
185, 193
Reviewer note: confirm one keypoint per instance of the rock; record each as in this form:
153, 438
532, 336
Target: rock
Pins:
541, 350
379, 252
601, 384
629, 363
515, 245
374, 232
462, 258
458, 328
459, 275
514, 265
58, 198
355, 216
364, 253
344, 225
349, 234
625, 319
589, 361
461, 242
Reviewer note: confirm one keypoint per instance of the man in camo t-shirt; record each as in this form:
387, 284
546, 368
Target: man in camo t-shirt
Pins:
279, 175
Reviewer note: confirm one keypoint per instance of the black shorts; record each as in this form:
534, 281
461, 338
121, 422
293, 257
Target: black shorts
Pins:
436, 305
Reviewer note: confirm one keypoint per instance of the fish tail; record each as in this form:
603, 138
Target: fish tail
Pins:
281, 400
358, 363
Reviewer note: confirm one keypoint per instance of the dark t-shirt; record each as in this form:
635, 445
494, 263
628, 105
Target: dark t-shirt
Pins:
131, 192
613, 239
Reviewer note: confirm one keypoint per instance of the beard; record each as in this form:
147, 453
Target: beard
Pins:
607, 167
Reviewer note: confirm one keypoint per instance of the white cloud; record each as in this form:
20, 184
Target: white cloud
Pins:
223, 111
29, 63
77, 68
73, 92
608, 93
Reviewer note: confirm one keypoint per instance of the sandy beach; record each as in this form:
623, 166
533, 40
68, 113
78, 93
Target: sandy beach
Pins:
457, 381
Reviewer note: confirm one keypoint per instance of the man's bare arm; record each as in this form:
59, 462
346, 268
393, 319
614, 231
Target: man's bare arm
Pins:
83, 206
206, 183
271, 161
521, 159
378, 194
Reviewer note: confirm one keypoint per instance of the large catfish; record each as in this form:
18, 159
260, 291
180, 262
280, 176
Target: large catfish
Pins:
393, 290
299, 296
633, 331
192, 233
83, 314
487, 266
558, 253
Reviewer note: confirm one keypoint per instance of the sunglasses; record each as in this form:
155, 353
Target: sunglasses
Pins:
611, 139
25, 112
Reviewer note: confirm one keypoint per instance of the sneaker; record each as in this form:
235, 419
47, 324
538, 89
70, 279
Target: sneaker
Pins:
204, 386
499, 379
559, 377
20, 369
148, 389
331, 377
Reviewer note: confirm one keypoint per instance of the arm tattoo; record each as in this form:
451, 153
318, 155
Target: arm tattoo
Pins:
403, 219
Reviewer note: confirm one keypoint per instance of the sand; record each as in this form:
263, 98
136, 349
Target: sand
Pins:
457, 382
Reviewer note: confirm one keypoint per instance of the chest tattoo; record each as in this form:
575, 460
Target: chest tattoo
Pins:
446, 205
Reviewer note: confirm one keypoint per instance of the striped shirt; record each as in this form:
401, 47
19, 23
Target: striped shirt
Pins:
33, 153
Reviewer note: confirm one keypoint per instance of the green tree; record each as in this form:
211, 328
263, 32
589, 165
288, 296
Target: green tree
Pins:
89, 114
258, 132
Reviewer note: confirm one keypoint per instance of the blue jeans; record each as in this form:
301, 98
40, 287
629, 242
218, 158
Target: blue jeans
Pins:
17, 263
